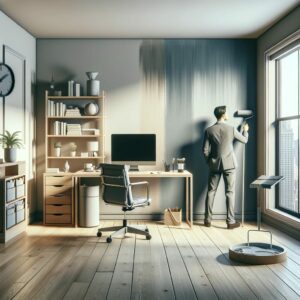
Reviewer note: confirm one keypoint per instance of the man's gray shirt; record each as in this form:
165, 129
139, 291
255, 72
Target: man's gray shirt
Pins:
218, 146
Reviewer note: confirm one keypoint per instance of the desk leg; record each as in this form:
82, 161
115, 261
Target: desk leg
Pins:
192, 200
76, 200
189, 200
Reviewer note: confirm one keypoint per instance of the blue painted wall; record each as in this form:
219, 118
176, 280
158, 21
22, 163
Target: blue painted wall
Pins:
202, 74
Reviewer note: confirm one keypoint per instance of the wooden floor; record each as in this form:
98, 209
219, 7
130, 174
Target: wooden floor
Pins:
177, 263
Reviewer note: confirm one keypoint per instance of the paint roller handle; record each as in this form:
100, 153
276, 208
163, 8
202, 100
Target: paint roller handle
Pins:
244, 127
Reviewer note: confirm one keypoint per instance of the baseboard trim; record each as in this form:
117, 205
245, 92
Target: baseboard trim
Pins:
38, 216
282, 226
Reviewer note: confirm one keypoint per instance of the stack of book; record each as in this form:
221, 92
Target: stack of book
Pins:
60, 128
73, 112
73, 129
56, 109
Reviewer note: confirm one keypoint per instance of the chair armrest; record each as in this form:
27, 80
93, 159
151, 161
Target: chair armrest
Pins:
146, 183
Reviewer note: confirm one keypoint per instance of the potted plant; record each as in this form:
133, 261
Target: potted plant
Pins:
57, 149
73, 147
10, 142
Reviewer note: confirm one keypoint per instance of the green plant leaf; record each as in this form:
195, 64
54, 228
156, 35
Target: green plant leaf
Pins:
10, 140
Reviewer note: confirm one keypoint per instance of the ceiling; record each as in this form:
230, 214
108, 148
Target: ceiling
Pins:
146, 18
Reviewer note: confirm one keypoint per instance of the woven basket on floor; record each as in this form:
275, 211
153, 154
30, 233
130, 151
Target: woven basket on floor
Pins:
173, 216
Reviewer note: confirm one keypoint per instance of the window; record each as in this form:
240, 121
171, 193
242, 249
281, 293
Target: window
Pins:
287, 121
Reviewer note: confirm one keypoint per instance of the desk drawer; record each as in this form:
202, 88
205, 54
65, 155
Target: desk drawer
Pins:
57, 189
58, 209
59, 199
58, 219
58, 180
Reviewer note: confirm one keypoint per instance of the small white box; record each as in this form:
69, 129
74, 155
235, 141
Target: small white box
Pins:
84, 154
53, 170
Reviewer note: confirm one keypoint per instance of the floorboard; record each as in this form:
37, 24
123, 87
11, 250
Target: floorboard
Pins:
177, 263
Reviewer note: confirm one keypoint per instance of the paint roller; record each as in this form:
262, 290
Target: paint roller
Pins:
246, 114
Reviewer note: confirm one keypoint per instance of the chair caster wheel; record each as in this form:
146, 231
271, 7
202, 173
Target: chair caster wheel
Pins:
109, 240
147, 230
99, 234
148, 237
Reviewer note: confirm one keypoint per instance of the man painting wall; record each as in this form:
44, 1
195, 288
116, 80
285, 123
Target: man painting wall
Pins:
219, 154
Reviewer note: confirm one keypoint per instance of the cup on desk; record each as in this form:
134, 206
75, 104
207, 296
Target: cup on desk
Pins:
88, 167
167, 167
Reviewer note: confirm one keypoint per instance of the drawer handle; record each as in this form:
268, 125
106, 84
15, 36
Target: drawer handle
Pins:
58, 214
58, 185
58, 195
58, 176
57, 204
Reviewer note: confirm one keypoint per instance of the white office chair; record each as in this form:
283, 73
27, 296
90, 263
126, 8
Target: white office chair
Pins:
117, 190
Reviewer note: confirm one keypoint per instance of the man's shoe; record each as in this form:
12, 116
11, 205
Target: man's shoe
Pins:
233, 225
207, 224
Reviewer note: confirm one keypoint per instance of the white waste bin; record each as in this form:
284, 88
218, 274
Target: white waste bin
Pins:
89, 197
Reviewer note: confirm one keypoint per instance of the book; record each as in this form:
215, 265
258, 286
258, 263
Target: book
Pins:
77, 89
71, 88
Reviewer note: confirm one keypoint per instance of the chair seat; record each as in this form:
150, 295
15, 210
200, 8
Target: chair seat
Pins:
141, 201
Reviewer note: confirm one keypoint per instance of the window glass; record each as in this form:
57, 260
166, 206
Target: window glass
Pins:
288, 164
288, 85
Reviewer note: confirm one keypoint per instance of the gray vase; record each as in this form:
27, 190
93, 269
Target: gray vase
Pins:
10, 154
93, 85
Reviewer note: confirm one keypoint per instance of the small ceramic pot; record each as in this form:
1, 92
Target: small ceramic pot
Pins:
10, 154
57, 152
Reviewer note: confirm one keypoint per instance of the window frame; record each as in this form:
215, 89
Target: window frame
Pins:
277, 122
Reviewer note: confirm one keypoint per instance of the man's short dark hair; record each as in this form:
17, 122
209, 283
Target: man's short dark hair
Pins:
220, 111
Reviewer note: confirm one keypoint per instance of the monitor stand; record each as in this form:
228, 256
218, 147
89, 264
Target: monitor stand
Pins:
134, 168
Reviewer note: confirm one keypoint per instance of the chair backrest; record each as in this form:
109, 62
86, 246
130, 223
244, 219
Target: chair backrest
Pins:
116, 185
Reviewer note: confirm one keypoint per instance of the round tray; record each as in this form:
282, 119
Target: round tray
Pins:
257, 253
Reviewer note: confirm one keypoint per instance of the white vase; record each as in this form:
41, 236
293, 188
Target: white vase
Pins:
57, 152
73, 153
67, 167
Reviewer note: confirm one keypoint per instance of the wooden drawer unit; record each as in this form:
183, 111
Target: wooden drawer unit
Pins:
58, 200
56, 190
59, 209
58, 219
58, 180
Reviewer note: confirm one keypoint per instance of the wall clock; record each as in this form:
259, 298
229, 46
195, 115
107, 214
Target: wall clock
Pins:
7, 80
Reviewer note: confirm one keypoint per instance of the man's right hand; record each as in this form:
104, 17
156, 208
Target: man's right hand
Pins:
246, 127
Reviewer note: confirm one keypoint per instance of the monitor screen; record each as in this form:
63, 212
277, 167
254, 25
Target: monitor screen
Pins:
133, 148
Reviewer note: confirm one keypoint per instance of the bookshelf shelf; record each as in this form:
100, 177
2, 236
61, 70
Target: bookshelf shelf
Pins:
76, 97
76, 157
75, 136
81, 117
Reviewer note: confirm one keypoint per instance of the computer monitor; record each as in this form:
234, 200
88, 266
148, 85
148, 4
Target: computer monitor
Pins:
133, 149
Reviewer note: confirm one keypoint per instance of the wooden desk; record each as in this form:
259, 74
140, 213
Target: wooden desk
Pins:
59, 181
151, 174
